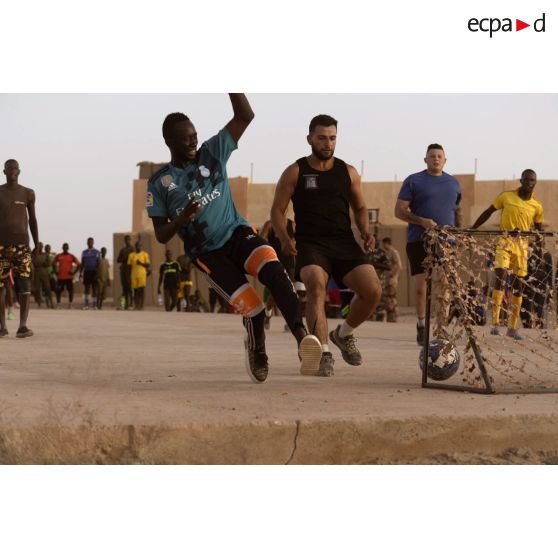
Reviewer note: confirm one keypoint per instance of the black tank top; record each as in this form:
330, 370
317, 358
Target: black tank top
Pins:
321, 202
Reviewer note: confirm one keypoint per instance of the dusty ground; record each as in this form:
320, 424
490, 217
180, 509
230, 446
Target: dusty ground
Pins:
151, 387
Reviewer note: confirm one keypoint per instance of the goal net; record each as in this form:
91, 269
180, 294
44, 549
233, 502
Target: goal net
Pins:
522, 354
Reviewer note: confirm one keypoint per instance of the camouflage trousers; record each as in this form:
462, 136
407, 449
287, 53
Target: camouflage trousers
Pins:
387, 308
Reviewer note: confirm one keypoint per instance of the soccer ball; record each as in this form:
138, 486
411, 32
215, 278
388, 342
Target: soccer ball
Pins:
443, 359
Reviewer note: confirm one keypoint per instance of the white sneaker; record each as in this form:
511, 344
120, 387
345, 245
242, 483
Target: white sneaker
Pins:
310, 354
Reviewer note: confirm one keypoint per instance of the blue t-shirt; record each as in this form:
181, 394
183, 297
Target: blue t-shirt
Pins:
432, 197
170, 189
89, 259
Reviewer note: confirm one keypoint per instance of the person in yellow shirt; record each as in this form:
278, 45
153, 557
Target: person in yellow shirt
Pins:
139, 263
520, 212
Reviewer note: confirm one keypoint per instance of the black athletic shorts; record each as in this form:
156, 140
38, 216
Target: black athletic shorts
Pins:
225, 269
68, 283
89, 277
336, 260
416, 254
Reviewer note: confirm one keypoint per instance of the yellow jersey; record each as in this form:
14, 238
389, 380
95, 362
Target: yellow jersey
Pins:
517, 213
138, 271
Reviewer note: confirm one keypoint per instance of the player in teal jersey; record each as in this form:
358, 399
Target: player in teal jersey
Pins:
191, 197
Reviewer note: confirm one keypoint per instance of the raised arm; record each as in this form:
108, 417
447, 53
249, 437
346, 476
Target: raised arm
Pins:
243, 115
283, 194
360, 210
484, 216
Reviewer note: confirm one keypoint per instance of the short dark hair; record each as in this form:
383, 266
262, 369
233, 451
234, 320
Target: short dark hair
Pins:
321, 120
434, 146
386, 239
526, 171
172, 119
10, 161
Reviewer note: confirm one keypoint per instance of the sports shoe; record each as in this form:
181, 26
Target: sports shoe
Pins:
85, 308
326, 365
256, 364
513, 334
3, 332
347, 346
421, 334
495, 330
310, 354
24, 332
11, 316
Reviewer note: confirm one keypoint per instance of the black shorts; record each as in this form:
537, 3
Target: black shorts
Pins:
226, 268
336, 261
89, 277
416, 253
68, 283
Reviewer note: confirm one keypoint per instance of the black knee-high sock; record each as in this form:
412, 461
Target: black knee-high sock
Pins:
275, 278
256, 332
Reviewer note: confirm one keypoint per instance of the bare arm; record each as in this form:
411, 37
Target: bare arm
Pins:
283, 194
538, 226
243, 115
266, 229
33, 225
403, 212
483, 217
458, 217
165, 229
360, 210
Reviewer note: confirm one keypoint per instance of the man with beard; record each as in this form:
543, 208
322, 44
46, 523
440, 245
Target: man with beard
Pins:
191, 196
520, 212
322, 188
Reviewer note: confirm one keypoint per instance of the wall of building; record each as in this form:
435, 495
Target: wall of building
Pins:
253, 202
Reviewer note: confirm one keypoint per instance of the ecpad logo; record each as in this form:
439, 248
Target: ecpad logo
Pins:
492, 25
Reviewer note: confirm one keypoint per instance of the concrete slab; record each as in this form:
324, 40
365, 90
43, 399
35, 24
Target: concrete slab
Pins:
151, 387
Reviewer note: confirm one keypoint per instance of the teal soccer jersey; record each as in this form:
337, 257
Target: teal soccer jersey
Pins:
170, 189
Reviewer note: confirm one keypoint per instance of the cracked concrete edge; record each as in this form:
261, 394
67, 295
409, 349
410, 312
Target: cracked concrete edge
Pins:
383, 441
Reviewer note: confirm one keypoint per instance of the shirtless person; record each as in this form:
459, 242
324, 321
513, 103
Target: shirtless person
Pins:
17, 217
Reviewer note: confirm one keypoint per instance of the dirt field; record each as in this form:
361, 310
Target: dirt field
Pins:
151, 387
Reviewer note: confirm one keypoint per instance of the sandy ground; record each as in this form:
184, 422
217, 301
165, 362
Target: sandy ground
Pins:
151, 387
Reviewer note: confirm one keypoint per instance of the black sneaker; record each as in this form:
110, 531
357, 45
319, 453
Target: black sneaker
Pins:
347, 346
3, 332
421, 333
256, 364
24, 332
326, 365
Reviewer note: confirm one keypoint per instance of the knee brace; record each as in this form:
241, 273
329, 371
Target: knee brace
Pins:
259, 258
247, 301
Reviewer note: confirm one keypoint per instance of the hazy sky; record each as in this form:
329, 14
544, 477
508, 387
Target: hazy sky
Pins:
79, 151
